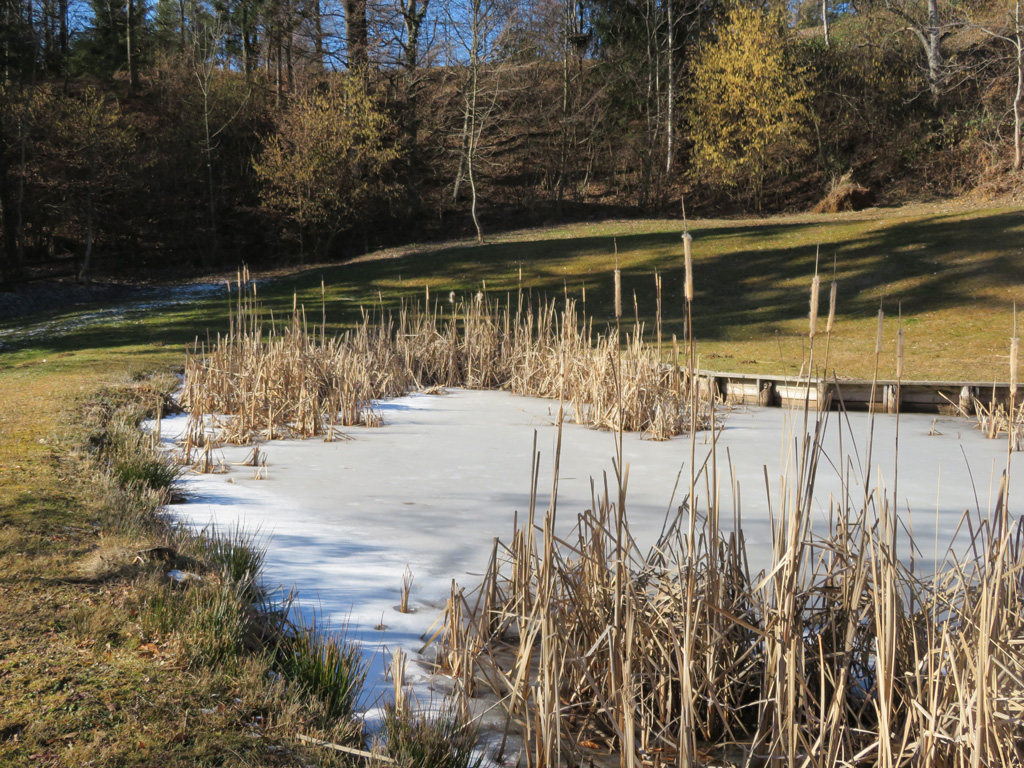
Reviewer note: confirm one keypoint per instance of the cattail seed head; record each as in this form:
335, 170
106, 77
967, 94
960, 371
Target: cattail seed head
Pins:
618, 293
878, 338
831, 308
688, 260
815, 290
1014, 353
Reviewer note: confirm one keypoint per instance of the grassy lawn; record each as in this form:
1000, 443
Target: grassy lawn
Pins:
76, 686
84, 678
954, 273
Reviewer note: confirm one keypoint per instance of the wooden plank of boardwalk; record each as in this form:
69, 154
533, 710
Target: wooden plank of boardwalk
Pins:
883, 396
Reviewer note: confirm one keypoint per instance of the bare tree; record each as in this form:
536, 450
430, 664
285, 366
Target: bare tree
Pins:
207, 44
8, 246
356, 34
131, 43
410, 17
1013, 34
476, 29
924, 21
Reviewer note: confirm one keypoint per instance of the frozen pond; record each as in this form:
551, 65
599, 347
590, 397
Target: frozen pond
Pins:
446, 475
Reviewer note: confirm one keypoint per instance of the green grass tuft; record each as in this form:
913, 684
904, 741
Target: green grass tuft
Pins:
236, 553
433, 739
326, 666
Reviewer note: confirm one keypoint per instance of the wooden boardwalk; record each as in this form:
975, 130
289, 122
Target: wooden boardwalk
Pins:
854, 395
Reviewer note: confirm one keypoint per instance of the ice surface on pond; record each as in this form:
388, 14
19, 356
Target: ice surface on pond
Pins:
446, 474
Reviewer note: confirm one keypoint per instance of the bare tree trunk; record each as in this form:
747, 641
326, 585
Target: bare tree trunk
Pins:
471, 113
824, 23
288, 59
318, 34
472, 191
563, 148
934, 49
243, 29
133, 70
63, 35
1020, 87
203, 64
20, 207
463, 144
184, 25
208, 152
472, 146
671, 94
356, 34
278, 64
8, 246
929, 32
83, 270
49, 28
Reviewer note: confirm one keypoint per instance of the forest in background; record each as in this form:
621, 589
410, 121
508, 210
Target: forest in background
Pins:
195, 133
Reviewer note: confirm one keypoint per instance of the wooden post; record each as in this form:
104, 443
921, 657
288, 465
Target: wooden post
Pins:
892, 404
966, 400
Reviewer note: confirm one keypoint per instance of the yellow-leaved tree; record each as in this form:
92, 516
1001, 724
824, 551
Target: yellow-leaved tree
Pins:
325, 168
749, 106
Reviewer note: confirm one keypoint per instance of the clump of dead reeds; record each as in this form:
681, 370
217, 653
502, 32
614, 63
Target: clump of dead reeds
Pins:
998, 417
264, 380
836, 653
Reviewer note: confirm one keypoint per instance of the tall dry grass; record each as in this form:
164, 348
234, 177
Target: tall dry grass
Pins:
998, 417
266, 379
838, 653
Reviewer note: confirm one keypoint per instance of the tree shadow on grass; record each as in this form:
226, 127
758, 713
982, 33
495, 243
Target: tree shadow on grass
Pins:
747, 277
750, 280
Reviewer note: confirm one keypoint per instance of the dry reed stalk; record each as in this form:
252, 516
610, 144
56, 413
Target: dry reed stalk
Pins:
831, 308
815, 290
688, 266
618, 293
397, 670
900, 353
407, 580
